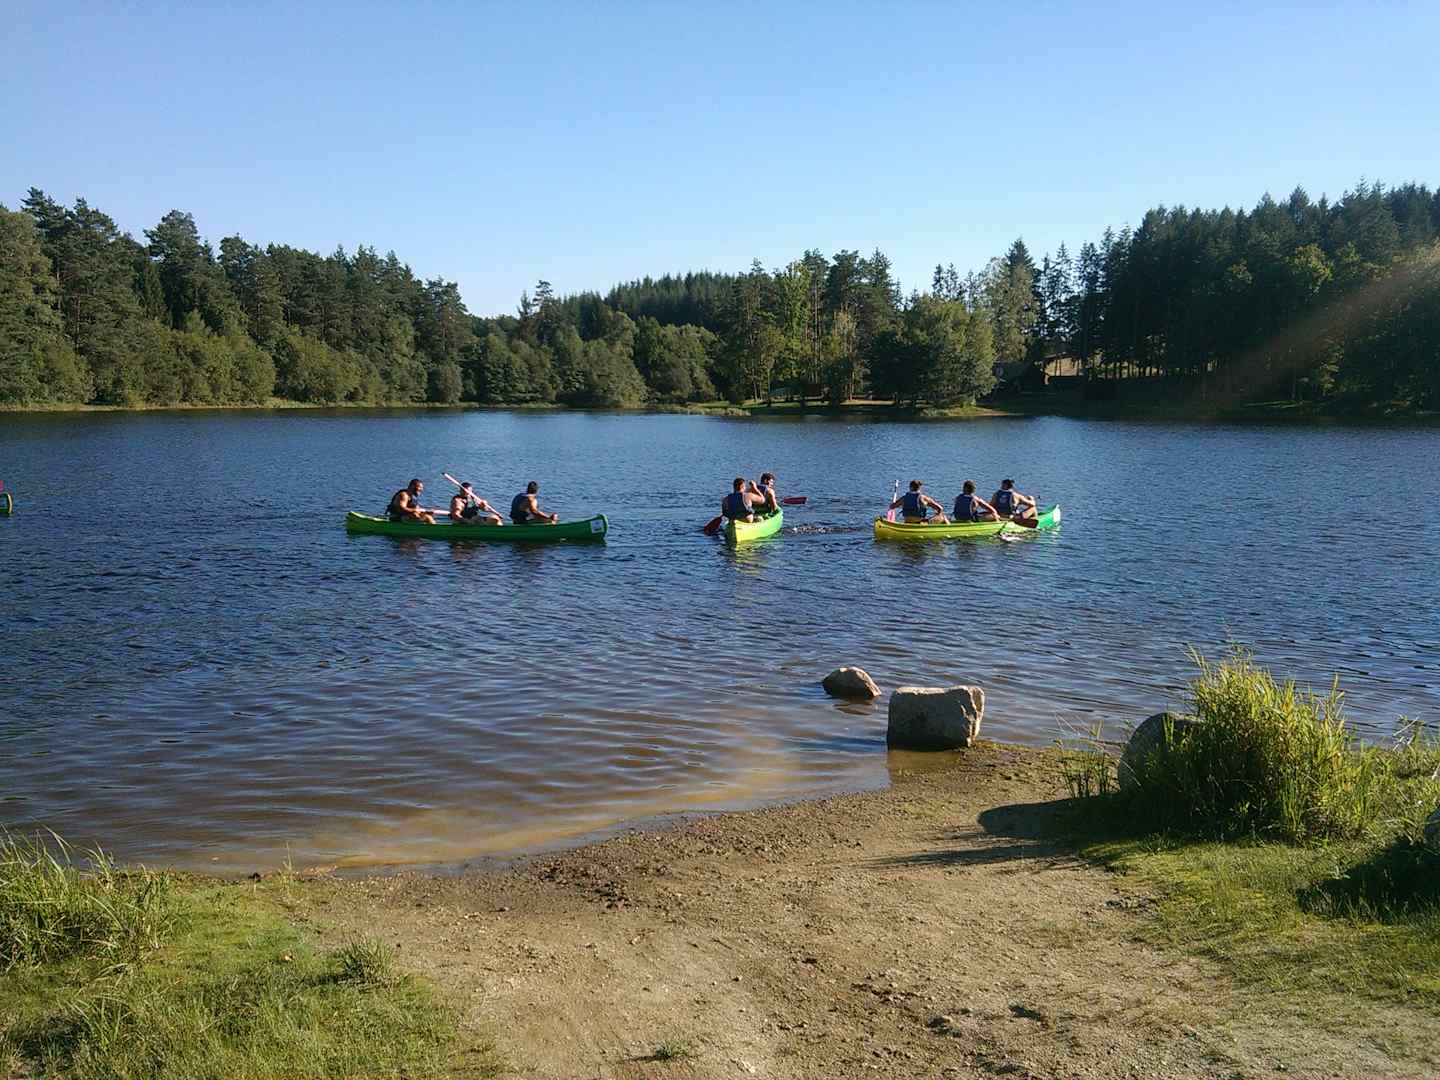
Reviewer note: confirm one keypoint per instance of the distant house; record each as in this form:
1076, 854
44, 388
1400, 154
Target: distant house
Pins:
1018, 377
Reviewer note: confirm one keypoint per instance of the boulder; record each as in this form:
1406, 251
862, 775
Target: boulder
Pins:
1146, 739
935, 717
850, 682
1432, 831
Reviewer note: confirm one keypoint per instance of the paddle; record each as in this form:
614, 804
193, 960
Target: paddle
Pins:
711, 527
894, 494
794, 500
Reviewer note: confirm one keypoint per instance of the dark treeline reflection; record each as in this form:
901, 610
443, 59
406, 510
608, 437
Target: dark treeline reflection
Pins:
1306, 300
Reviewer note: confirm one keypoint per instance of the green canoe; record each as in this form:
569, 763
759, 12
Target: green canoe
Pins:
741, 532
593, 528
898, 530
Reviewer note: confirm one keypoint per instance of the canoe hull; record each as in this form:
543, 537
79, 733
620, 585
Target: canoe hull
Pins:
593, 528
742, 532
898, 530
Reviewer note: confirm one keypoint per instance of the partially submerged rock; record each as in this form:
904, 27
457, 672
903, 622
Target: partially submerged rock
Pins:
935, 717
1146, 739
850, 682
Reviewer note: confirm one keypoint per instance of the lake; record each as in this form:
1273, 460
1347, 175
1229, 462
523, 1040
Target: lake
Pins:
203, 670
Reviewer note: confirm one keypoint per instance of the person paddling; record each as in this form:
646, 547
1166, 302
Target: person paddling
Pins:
467, 508
740, 504
1012, 504
970, 507
765, 489
405, 505
525, 508
915, 505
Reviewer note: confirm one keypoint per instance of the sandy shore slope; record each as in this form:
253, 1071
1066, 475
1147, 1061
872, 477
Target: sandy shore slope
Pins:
934, 929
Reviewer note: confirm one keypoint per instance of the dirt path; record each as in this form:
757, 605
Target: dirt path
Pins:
930, 930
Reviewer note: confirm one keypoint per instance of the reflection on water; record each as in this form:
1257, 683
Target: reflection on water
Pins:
212, 691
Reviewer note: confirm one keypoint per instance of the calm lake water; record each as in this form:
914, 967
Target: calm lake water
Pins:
202, 668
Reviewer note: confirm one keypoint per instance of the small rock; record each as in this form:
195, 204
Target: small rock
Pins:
850, 682
1148, 738
935, 718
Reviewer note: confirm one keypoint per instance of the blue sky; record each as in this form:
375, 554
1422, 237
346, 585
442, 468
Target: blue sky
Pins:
493, 145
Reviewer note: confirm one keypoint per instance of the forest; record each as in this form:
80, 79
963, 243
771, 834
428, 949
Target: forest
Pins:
1332, 303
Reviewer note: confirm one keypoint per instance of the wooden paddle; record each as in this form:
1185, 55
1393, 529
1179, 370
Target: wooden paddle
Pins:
794, 500
711, 527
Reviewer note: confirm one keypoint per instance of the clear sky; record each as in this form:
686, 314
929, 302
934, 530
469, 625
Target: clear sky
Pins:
589, 143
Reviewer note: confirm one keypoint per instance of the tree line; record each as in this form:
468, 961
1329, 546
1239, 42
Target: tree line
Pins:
1309, 299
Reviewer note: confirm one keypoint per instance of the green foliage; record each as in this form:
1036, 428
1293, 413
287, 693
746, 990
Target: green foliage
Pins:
1264, 759
1316, 301
127, 974
52, 911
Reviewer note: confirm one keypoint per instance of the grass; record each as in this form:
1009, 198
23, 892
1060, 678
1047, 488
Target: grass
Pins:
1286, 851
134, 974
1266, 758
673, 1050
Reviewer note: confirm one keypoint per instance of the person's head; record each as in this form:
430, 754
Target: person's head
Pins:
767, 478
969, 487
915, 485
467, 487
1006, 485
415, 486
532, 488
739, 483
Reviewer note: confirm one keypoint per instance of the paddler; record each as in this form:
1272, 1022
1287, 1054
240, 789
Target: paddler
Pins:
915, 505
467, 508
740, 504
405, 505
1012, 504
525, 508
765, 490
970, 507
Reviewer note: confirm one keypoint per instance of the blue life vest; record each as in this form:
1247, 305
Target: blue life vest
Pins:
1005, 501
520, 508
965, 508
735, 507
911, 506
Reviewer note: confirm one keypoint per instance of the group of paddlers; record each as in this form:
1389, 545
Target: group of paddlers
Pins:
1007, 504
467, 508
749, 500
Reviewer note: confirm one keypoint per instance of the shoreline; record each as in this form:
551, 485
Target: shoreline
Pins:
944, 926
1258, 413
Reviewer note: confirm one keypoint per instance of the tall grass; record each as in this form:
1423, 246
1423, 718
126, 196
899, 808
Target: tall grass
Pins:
1087, 762
52, 908
1266, 759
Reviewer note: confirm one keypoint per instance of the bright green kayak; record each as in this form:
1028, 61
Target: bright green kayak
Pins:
741, 532
589, 529
898, 530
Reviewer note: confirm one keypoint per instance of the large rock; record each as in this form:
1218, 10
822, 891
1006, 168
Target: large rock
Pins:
935, 718
850, 682
1146, 739
1432, 831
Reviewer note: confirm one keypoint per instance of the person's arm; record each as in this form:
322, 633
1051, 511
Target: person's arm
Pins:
550, 519
1027, 500
896, 504
986, 506
939, 510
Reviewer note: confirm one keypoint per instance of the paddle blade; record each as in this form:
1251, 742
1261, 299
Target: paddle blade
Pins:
1025, 523
794, 500
711, 527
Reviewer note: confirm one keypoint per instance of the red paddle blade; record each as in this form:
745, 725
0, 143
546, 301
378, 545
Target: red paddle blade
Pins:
711, 527
794, 500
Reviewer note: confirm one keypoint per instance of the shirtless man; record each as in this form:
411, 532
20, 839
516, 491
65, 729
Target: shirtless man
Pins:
1012, 504
915, 505
405, 505
467, 508
525, 508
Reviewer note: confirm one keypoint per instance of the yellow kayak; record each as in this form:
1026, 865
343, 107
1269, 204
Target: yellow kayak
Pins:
898, 530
